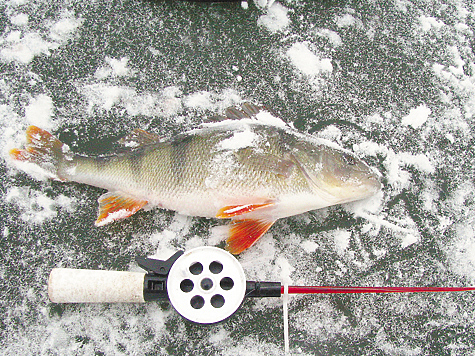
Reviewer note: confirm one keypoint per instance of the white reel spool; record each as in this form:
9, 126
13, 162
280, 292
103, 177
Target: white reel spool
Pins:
206, 285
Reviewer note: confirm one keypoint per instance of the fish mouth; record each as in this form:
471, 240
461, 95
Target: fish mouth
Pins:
370, 185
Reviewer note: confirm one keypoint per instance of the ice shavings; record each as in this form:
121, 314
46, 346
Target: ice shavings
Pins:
106, 96
63, 30
461, 83
417, 116
110, 331
263, 117
309, 246
409, 239
266, 118
461, 251
306, 61
276, 19
428, 22
164, 242
371, 210
220, 337
460, 248
114, 68
239, 140
342, 240
347, 20
332, 36
40, 112
37, 207
211, 100
19, 19
22, 47
259, 261
263, 3
199, 100
394, 163
252, 346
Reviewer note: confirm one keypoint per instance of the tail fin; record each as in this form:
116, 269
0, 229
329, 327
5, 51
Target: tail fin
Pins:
42, 149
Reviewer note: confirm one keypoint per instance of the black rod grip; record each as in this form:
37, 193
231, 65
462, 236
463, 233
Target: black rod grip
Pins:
263, 289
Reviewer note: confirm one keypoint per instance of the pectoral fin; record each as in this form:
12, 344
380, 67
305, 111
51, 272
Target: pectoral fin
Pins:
281, 166
244, 233
234, 210
117, 205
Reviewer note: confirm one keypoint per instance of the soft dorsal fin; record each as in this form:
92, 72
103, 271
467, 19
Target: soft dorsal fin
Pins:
139, 137
246, 110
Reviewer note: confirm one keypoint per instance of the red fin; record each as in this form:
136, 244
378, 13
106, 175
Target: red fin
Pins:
115, 206
234, 210
244, 233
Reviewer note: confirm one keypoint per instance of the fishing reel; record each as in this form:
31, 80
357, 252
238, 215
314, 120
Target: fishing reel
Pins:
205, 285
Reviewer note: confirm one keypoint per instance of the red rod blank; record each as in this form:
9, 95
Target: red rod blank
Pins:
332, 289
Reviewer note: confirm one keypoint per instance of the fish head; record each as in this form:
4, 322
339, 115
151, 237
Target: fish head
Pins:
338, 175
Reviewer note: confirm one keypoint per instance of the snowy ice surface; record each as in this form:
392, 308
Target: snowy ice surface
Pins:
306, 61
275, 19
393, 82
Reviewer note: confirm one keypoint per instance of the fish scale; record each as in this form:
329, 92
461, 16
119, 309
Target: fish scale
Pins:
242, 168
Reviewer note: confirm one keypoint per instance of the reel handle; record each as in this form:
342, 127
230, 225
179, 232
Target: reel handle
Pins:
67, 285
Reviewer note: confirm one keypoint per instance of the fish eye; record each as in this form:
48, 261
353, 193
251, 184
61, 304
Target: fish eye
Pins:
348, 159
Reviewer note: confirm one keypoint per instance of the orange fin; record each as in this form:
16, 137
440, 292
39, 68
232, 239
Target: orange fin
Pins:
19, 155
42, 149
234, 210
244, 233
115, 206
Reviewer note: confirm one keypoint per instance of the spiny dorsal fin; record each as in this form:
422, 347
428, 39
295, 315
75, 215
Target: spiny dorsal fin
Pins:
246, 111
251, 109
233, 113
138, 138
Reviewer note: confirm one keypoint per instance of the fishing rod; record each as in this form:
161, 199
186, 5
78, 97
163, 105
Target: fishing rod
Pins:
205, 285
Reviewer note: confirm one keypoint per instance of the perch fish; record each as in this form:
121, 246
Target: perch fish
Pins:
251, 168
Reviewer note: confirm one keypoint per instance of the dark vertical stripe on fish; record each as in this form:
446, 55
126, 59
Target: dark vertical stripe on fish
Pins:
178, 157
135, 161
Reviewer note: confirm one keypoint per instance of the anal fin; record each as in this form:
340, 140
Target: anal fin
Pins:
115, 206
244, 233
